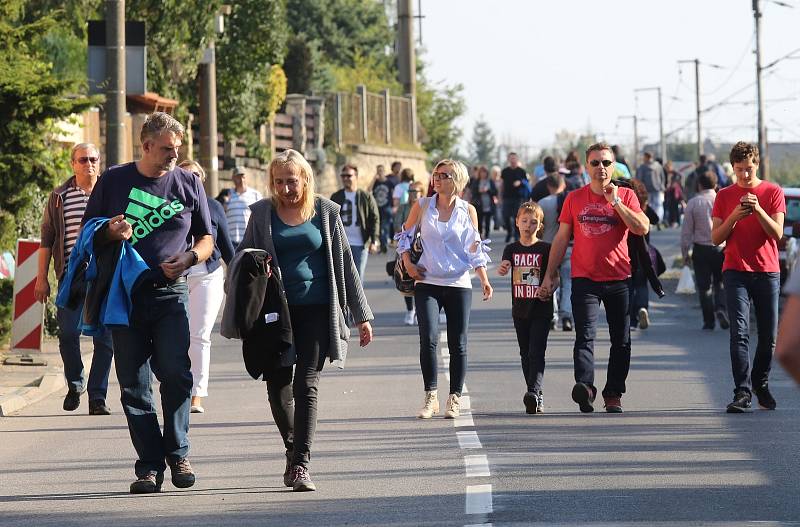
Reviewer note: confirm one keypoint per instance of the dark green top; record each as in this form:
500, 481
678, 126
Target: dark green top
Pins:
303, 262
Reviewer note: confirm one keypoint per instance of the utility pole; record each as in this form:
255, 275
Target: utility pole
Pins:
406, 53
697, 102
661, 142
207, 75
762, 135
115, 92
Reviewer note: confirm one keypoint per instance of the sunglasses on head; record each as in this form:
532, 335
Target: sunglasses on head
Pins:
596, 162
83, 160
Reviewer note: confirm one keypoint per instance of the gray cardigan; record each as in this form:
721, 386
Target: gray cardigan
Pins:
345, 284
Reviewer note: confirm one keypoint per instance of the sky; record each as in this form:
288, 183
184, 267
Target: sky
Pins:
534, 67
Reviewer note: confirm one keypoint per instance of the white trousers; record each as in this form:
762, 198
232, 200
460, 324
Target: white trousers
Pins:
205, 298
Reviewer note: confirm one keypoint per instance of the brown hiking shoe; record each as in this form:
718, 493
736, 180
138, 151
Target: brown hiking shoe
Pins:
148, 483
613, 404
182, 474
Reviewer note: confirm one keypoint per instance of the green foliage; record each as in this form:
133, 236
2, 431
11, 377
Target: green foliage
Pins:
32, 99
254, 40
377, 75
483, 147
786, 172
178, 31
438, 109
274, 90
684, 151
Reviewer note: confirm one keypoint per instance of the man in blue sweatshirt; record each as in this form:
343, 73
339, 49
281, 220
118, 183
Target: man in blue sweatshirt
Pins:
159, 209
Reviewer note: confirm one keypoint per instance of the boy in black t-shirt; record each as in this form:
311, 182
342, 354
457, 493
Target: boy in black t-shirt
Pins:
527, 261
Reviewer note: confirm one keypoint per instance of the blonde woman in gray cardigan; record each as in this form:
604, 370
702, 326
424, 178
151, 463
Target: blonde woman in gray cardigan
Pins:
305, 237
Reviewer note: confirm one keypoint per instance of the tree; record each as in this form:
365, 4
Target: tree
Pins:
253, 41
483, 145
32, 99
438, 109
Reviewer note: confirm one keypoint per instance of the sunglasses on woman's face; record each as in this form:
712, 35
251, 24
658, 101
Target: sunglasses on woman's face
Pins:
596, 162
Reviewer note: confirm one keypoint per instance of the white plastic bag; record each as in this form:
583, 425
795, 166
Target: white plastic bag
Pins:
686, 282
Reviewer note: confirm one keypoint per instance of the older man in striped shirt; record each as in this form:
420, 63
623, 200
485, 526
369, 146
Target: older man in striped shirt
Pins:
59, 230
238, 210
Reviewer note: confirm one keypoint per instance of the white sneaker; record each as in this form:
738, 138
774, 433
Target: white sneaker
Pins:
644, 318
453, 407
409, 320
431, 405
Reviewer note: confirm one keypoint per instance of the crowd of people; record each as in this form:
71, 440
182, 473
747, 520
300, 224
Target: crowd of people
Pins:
139, 255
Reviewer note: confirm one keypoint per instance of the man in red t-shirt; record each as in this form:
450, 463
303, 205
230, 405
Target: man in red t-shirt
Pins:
599, 216
748, 217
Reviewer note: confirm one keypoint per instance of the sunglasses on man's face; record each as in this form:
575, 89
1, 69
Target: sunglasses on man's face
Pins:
84, 160
596, 162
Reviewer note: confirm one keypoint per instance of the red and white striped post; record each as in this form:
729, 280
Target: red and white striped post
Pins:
26, 328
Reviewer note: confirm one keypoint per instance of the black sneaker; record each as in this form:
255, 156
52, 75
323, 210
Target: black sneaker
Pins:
301, 480
148, 483
566, 325
287, 473
72, 400
765, 399
583, 394
722, 318
182, 474
539, 403
530, 400
741, 403
99, 407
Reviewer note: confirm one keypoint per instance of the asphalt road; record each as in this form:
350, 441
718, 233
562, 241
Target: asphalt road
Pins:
673, 458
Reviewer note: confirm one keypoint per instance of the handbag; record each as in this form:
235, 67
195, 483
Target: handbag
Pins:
402, 280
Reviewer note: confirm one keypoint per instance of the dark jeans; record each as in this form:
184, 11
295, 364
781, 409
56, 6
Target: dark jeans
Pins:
763, 288
69, 344
294, 403
708, 273
586, 298
510, 208
485, 223
386, 227
639, 294
457, 302
532, 338
409, 300
157, 340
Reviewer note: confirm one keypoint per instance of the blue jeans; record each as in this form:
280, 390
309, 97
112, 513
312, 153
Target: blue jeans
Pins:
457, 302
564, 294
386, 226
158, 341
360, 255
763, 288
586, 297
69, 345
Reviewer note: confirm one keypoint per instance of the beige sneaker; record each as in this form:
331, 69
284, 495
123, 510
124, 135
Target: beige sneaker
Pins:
431, 405
453, 407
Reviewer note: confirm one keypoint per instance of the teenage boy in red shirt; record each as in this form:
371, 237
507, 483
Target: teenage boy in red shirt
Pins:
599, 215
748, 216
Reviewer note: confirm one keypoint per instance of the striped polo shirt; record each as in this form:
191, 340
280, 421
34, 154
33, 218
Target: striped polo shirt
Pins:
75, 200
238, 212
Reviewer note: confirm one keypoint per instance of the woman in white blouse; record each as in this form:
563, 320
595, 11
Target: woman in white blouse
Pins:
452, 248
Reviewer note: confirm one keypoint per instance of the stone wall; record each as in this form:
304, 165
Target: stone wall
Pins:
367, 158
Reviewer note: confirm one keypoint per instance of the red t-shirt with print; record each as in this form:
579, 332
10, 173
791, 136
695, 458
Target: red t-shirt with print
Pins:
600, 250
748, 248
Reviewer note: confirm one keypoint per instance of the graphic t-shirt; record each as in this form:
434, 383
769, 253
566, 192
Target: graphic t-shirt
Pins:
349, 215
401, 192
528, 264
600, 250
165, 212
748, 248
382, 192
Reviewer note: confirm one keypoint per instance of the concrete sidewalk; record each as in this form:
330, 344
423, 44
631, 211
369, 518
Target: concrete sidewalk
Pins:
21, 386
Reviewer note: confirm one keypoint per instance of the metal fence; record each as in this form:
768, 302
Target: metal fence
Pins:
351, 118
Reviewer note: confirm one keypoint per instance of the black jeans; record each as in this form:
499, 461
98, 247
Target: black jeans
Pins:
510, 208
485, 223
708, 273
763, 289
456, 302
532, 338
639, 294
294, 403
586, 297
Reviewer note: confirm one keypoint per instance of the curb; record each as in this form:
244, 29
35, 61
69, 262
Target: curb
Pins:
46, 385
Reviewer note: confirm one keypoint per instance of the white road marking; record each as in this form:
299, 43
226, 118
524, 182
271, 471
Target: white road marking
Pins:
477, 466
465, 402
464, 420
479, 499
468, 439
